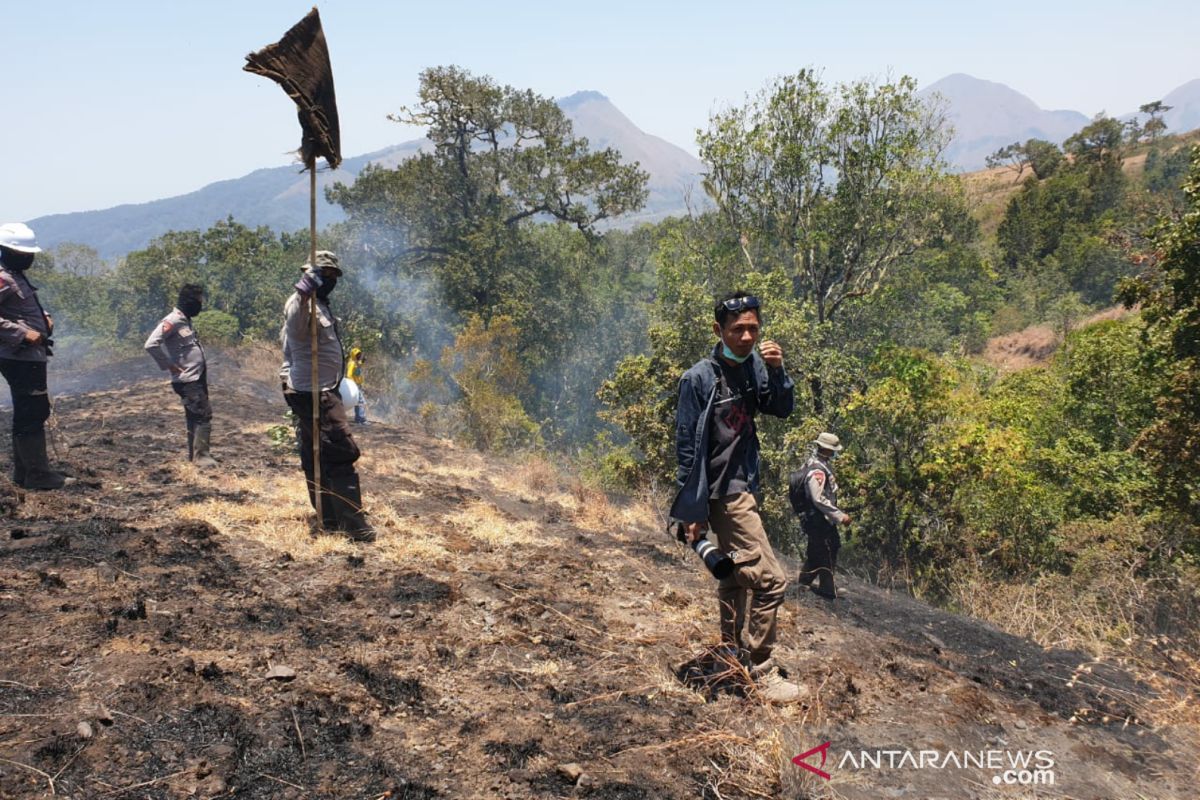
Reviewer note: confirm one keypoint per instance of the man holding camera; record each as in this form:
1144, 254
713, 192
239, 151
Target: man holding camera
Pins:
25, 330
716, 444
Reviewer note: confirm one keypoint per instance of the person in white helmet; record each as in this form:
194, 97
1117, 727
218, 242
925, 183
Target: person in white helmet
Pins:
25, 330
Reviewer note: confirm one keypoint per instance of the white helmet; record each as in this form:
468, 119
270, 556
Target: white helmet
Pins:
17, 236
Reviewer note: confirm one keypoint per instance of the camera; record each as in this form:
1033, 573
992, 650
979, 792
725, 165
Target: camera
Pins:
718, 563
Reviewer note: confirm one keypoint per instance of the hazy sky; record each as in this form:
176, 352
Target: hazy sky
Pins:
123, 102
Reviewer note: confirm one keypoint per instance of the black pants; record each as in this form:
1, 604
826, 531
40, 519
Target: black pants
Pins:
195, 400
31, 401
338, 449
823, 542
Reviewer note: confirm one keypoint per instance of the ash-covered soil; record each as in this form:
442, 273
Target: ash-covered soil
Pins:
169, 633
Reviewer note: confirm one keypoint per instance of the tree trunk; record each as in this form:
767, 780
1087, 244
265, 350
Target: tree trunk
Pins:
818, 394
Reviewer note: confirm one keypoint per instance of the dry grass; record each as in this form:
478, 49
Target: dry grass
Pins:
537, 476
1106, 622
988, 192
491, 527
277, 515
1036, 345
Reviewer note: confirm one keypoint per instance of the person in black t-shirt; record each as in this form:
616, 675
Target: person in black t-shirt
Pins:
717, 448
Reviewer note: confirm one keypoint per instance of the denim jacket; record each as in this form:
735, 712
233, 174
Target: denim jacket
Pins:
697, 389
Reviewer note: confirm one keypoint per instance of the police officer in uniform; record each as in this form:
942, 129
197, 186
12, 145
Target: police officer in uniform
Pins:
813, 495
174, 345
25, 330
341, 495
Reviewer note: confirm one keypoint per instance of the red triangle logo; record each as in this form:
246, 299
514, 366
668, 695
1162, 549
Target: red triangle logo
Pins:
823, 749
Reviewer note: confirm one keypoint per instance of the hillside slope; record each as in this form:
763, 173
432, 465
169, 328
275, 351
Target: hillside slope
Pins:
509, 630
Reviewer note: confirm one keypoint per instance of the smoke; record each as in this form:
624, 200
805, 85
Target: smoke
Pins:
405, 325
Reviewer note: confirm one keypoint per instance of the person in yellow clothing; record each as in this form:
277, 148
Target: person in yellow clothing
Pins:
354, 366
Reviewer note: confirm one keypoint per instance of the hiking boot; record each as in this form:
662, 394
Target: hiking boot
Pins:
824, 587
807, 575
772, 687
31, 450
201, 438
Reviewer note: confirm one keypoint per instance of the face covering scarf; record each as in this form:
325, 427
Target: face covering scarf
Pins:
18, 262
725, 351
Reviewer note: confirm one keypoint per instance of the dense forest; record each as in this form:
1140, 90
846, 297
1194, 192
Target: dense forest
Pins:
498, 303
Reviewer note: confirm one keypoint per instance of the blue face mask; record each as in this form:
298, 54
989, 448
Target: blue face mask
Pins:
725, 351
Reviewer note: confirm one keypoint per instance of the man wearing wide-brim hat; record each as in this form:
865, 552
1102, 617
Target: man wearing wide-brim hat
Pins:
813, 494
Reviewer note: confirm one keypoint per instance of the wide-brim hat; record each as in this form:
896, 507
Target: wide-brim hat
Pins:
326, 259
828, 441
17, 236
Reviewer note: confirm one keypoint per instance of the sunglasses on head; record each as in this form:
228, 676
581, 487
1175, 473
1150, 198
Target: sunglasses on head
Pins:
736, 305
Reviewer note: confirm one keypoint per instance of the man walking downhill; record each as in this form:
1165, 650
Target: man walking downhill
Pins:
716, 444
25, 330
175, 347
341, 496
813, 494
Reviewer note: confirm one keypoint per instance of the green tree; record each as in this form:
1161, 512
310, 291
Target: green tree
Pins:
1044, 157
1011, 156
1168, 291
832, 187
501, 159
1103, 141
491, 379
1154, 127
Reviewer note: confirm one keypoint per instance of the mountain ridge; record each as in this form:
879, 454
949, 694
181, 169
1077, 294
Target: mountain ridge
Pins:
278, 196
986, 115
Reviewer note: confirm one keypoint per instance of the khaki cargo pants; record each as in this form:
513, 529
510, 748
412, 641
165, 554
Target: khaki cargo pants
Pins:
750, 597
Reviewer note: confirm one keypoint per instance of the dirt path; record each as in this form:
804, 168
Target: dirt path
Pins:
509, 631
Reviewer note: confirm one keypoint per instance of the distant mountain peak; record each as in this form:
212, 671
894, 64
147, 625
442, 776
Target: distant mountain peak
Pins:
579, 98
987, 115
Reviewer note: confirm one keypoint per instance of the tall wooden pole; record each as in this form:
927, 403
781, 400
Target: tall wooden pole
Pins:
312, 330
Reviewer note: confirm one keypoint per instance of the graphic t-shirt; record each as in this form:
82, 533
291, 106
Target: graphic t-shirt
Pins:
731, 428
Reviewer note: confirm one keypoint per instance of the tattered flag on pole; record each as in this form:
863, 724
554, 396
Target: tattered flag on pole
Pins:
299, 62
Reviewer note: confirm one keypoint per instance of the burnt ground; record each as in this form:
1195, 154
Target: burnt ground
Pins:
167, 633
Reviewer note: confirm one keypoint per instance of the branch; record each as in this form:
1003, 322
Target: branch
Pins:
529, 212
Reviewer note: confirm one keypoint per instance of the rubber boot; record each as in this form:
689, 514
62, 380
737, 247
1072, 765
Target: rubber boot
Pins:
345, 500
824, 587
31, 449
18, 470
329, 520
200, 454
191, 440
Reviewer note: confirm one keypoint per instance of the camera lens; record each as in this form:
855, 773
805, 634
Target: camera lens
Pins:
719, 564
